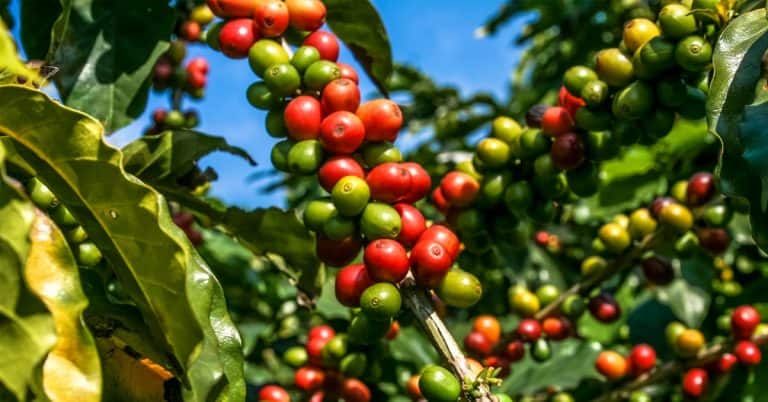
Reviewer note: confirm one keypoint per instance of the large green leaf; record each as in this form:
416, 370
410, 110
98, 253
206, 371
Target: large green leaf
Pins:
359, 26
171, 154
179, 298
737, 115
106, 51
71, 369
572, 362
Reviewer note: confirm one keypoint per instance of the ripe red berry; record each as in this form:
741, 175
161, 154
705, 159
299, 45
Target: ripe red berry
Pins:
341, 133
438, 199
232, 8
351, 282
236, 37
556, 121
336, 168
190, 31
197, 64
701, 188
658, 271
314, 348
325, 43
556, 328
303, 117
430, 262
354, 390
604, 308
162, 71
612, 365
744, 321
274, 393
271, 17
542, 238
726, 362
498, 362
459, 189
306, 15
382, 120
308, 378
444, 236
567, 151
748, 353
642, 359
317, 397
413, 224
341, 94
515, 350
337, 253
695, 382
420, 182
393, 330
348, 72
529, 329
714, 240
477, 344
389, 182
321, 332
386, 261
158, 116
196, 80
570, 102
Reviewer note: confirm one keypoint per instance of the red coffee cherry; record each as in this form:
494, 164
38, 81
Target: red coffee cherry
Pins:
354, 390
197, 65
726, 362
444, 236
658, 271
308, 378
498, 362
351, 282
529, 330
314, 348
382, 119
612, 365
232, 8
196, 80
748, 353
317, 397
271, 18
714, 240
570, 102
337, 253
386, 261
514, 351
420, 182
477, 344
567, 151
348, 72
190, 31
459, 189
389, 182
394, 329
556, 121
324, 332
430, 262
604, 308
744, 321
642, 359
438, 199
701, 188
336, 168
695, 382
306, 15
325, 43
341, 133
556, 328
341, 94
274, 393
303, 117
158, 116
236, 37
413, 224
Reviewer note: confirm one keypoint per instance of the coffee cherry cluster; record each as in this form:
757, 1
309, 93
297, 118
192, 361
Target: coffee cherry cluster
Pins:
86, 253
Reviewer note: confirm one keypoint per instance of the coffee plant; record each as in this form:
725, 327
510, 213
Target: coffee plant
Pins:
599, 235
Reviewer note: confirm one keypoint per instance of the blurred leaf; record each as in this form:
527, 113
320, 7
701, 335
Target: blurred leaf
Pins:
24, 342
71, 369
128, 378
572, 362
412, 346
12, 66
106, 52
359, 26
689, 303
179, 298
37, 19
167, 156
327, 305
737, 116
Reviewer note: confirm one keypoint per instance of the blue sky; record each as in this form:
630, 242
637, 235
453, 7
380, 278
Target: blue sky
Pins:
434, 35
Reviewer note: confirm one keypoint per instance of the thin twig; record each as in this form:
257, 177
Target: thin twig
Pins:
417, 301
